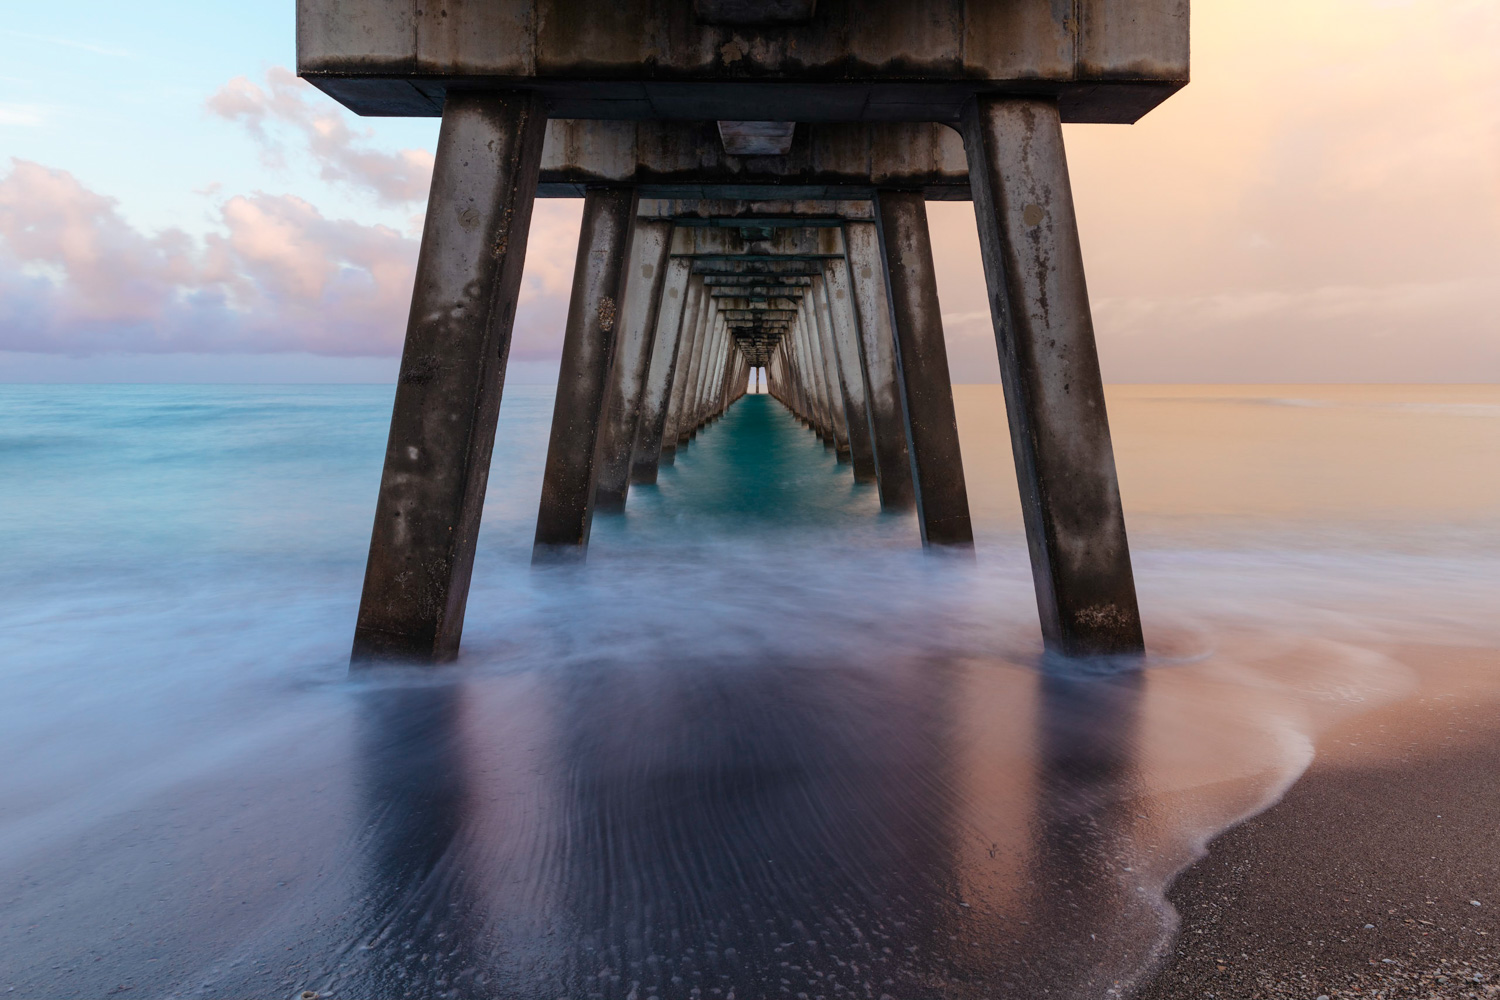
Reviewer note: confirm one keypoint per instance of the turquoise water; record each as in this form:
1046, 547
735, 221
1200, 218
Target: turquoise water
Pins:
757, 743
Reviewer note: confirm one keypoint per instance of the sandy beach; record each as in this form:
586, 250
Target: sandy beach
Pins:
1376, 875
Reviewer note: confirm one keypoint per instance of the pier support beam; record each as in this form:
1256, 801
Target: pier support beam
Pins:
922, 361
835, 305
567, 508
707, 317
1054, 394
816, 375
437, 458
644, 280
692, 332
678, 308
822, 328
872, 310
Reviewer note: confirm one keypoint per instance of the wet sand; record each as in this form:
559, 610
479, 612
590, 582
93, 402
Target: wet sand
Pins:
1362, 881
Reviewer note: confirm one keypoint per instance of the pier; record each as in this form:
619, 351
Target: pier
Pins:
754, 177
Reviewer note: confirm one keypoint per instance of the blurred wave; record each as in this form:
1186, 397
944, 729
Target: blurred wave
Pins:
758, 745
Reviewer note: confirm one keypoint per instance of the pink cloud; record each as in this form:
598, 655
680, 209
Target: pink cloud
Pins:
274, 275
76, 277
286, 101
1309, 208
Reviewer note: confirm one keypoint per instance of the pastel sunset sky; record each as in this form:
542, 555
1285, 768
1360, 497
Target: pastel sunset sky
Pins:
1321, 204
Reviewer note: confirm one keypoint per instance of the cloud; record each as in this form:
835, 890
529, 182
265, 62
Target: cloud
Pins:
77, 278
542, 307
22, 114
72, 43
288, 103
273, 275
1309, 208
1419, 331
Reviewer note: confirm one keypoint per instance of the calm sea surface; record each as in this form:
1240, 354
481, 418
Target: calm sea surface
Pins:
759, 745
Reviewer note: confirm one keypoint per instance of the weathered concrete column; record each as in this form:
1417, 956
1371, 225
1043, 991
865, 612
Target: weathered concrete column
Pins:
872, 310
732, 361
733, 372
721, 380
716, 376
837, 307
813, 357
690, 403
687, 355
720, 389
726, 386
804, 376
802, 387
793, 395
711, 363
707, 321
817, 316
678, 308
1054, 393
786, 377
845, 415
783, 384
645, 278
567, 508
922, 362
711, 374
437, 458
823, 372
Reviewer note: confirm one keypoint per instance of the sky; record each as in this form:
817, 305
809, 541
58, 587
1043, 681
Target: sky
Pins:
1320, 204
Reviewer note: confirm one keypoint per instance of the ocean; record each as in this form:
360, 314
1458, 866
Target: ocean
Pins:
759, 744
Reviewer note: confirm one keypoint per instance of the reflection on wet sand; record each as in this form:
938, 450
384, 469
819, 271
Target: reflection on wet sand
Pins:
419, 918
745, 829
1086, 903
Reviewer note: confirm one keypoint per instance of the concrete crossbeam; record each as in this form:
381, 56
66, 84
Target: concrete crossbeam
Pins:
851, 60
710, 242
682, 162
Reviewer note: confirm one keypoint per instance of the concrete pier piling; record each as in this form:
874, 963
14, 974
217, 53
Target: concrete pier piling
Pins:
882, 382
1054, 393
693, 376
693, 322
785, 151
645, 280
567, 508
835, 304
811, 359
820, 325
678, 307
922, 367
437, 458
